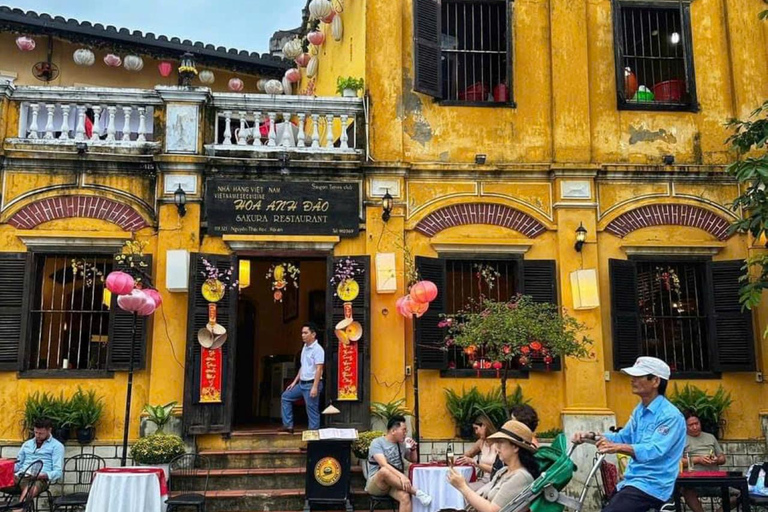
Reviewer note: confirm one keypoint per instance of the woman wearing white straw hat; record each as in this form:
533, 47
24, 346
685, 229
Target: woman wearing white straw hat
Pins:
515, 445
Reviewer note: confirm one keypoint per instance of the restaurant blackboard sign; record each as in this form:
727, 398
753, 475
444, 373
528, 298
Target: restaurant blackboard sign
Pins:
256, 207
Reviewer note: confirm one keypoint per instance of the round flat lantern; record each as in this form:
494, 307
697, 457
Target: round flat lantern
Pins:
120, 283
207, 77
133, 63
235, 85
424, 291
348, 290
83, 57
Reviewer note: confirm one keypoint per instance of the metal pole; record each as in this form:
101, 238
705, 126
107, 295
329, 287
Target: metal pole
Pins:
126, 426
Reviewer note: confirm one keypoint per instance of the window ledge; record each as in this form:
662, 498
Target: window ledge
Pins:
57, 241
484, 104
659, 107
705, 249
66, 374
481, 374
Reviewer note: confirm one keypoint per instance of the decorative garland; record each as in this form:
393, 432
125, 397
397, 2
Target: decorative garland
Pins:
281, 275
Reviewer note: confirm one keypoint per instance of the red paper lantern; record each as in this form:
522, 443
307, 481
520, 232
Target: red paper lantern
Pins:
120, 283
165, 69
316, 37
497, 365
134, 301
155, 296
302, 60
424, 291
415, 307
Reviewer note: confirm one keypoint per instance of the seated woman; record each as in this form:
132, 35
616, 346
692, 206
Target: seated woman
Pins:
514, 442
483, 449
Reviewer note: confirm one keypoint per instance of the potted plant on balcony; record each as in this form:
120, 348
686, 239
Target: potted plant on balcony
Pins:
349, 86
87, 409
157, 450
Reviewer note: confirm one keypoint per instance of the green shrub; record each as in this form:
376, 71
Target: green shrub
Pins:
157, 449
87, 408
549, 434
363, 442
387, 410
709, 408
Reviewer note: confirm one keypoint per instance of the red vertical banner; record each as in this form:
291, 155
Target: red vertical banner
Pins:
210, 376
347, 371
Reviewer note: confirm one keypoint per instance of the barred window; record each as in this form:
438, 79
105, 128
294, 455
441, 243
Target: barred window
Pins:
475, 51
654, 62
467, 283
69, 314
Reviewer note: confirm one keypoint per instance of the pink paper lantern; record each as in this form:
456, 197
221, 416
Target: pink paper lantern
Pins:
316, 37
424, 291
112, 60
165, 69
134, 301
399, 306
329, 18
120, 283
415, 307
293, 75
235, 85
148, 308
25, 43
302, 60
155, 296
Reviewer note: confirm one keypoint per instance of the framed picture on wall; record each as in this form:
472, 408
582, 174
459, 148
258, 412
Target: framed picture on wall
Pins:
290, 304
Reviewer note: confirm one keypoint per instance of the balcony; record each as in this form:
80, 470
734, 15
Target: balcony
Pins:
260, 125
117, 120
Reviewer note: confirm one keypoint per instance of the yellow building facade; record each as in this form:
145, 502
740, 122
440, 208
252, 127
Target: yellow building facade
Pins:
498, 170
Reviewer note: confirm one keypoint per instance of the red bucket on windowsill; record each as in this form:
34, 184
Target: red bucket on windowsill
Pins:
671, 90
475, 92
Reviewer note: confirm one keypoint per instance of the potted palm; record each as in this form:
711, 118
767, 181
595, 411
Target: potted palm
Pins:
157, 450
160, 415
87, 409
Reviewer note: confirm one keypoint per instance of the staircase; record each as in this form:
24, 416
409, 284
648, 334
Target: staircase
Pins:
258, 471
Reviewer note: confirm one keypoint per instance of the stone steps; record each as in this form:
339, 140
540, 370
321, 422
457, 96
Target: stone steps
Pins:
258, 458
260, 500
253, 478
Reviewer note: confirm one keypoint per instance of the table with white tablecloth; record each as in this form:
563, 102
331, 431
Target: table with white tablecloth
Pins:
433, 479
128, 489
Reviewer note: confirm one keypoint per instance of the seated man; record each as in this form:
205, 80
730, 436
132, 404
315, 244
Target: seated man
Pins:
386, 458
705, 455
42, 447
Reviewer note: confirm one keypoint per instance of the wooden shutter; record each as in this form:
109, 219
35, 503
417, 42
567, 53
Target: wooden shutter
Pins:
353, 414
539, 281
209, 418
625, 317
121, 330
15, 269
427, 62
429, 339
731, 331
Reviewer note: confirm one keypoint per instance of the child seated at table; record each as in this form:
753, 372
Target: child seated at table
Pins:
515, 445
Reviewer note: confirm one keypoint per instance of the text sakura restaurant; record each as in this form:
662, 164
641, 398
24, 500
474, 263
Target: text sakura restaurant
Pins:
271, 261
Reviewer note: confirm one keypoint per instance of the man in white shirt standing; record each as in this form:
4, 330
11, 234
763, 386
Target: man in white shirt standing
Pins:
308, 382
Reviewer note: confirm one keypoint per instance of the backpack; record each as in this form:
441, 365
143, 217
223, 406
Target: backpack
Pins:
757, 478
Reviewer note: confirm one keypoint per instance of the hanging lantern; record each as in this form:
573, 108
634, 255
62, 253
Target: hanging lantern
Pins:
165, 69
112, 60
120, 283
83, 57
416, 308
302, 60
261, 85
187, 69
133, 63
134, 301
319, 9
155, 296
207, 77
235, 85
337, 30
312, 67
424, 291
293, 75
148, 308
25, 43
287, 86
330, 17
293, 48
316, 37
400, 307
273, 87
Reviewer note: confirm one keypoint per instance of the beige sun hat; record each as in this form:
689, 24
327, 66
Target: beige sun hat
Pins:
516, 433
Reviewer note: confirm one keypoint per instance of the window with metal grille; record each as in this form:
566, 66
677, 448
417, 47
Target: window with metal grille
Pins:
69, 315
475, 51
654, 61
673, 314
467, 283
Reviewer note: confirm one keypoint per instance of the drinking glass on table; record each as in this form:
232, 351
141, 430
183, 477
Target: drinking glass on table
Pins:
449, 455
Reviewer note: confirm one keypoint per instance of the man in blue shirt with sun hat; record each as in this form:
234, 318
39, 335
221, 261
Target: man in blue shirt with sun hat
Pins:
654, 438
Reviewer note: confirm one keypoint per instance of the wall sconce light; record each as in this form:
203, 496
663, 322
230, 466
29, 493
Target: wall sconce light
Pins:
581, 237
480, 158
386, 205
180, 200
584, 289
244, 273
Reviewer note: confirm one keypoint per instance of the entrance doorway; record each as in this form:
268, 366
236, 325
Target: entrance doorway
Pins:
269, 335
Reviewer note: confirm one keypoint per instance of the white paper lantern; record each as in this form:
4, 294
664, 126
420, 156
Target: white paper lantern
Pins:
319, 9
287, 86
337, 29
207, 76
133, 63
312, 67
261, 85
293, 48
274, 87
83, 57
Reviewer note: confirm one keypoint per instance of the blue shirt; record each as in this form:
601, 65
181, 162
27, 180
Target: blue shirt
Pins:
311, 356
51, 453
657, 435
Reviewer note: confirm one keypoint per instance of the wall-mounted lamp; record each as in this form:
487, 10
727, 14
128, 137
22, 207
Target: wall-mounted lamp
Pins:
581, 237
81, 147
180, 200
386, 205
480, 158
